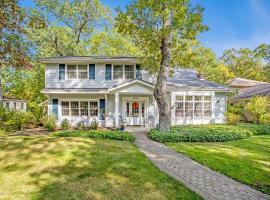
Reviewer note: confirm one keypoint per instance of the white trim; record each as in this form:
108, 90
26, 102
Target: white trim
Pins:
132, 82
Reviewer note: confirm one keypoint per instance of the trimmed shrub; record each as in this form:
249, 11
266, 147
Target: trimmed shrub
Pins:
113, 135
233, 118
203, 133
94, 125
265, 119
81, 126
65, 125
256, 129
51, 123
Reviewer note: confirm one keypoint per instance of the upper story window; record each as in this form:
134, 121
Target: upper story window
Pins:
118, 72
123, 72
129, 71
77, 71
71, 72
82, 71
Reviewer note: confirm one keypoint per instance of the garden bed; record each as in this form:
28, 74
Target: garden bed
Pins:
104, 134
208, 133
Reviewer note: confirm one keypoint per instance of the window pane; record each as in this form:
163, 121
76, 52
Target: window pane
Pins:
65, 108
189, 98
82, 71
207, 106
71, 71
93, 108
198, 98
129, 71
84, 108
74, 108
198, 110
189, 109
179, 98
207, 113
179, 109
207, 98
118, 72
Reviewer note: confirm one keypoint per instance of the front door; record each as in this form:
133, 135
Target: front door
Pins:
135, 113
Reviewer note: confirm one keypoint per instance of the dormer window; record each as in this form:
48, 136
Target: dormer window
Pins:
123, 72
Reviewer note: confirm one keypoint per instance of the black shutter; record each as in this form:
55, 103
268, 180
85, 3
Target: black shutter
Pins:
108, 72
102, 109
61, 71
55, 107
92, 71
138, 72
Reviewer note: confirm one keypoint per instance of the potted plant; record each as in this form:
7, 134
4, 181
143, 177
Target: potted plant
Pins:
122, 126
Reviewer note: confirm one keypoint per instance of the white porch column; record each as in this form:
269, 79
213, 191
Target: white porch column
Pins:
116, 111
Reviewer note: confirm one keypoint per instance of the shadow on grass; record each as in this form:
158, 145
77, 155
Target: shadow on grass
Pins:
74, 168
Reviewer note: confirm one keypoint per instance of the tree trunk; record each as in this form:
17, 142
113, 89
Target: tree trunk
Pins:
1, 91
160, 92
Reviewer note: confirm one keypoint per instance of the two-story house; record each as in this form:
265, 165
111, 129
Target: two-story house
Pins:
115, 89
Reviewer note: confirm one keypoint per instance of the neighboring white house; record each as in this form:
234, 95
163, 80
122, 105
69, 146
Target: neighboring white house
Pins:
13, 103
115, 89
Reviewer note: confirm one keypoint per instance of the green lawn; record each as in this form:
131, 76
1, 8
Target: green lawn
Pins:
81, 168
245, 160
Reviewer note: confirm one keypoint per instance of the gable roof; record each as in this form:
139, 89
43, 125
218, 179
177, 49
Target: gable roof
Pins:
119, 86
242, 82
259, 90
187, 78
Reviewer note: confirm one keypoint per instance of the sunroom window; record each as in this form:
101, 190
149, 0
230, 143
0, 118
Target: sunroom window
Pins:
196, 106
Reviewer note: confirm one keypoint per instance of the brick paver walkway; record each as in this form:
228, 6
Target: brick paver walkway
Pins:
210, 184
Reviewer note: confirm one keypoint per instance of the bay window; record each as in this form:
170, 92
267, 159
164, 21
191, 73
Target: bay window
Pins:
190, 106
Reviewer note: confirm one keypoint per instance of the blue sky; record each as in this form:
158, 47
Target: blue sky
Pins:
232, 23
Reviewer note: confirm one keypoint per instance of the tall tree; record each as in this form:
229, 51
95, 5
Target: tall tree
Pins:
13, 45
245, 63
63, 28
157, 28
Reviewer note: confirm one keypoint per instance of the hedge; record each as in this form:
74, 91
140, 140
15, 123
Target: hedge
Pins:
256, 129
104, 134
202, 133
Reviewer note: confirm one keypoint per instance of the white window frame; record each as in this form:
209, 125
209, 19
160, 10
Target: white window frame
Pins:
123, 69
193, 105
77, 72
79, 101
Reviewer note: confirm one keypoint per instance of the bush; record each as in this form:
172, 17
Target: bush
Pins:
113, 135
256, 129
265, 119
51, 123
94, 125
65, 125
81, 126
202, 133
2, 133
12, 120
233, 118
